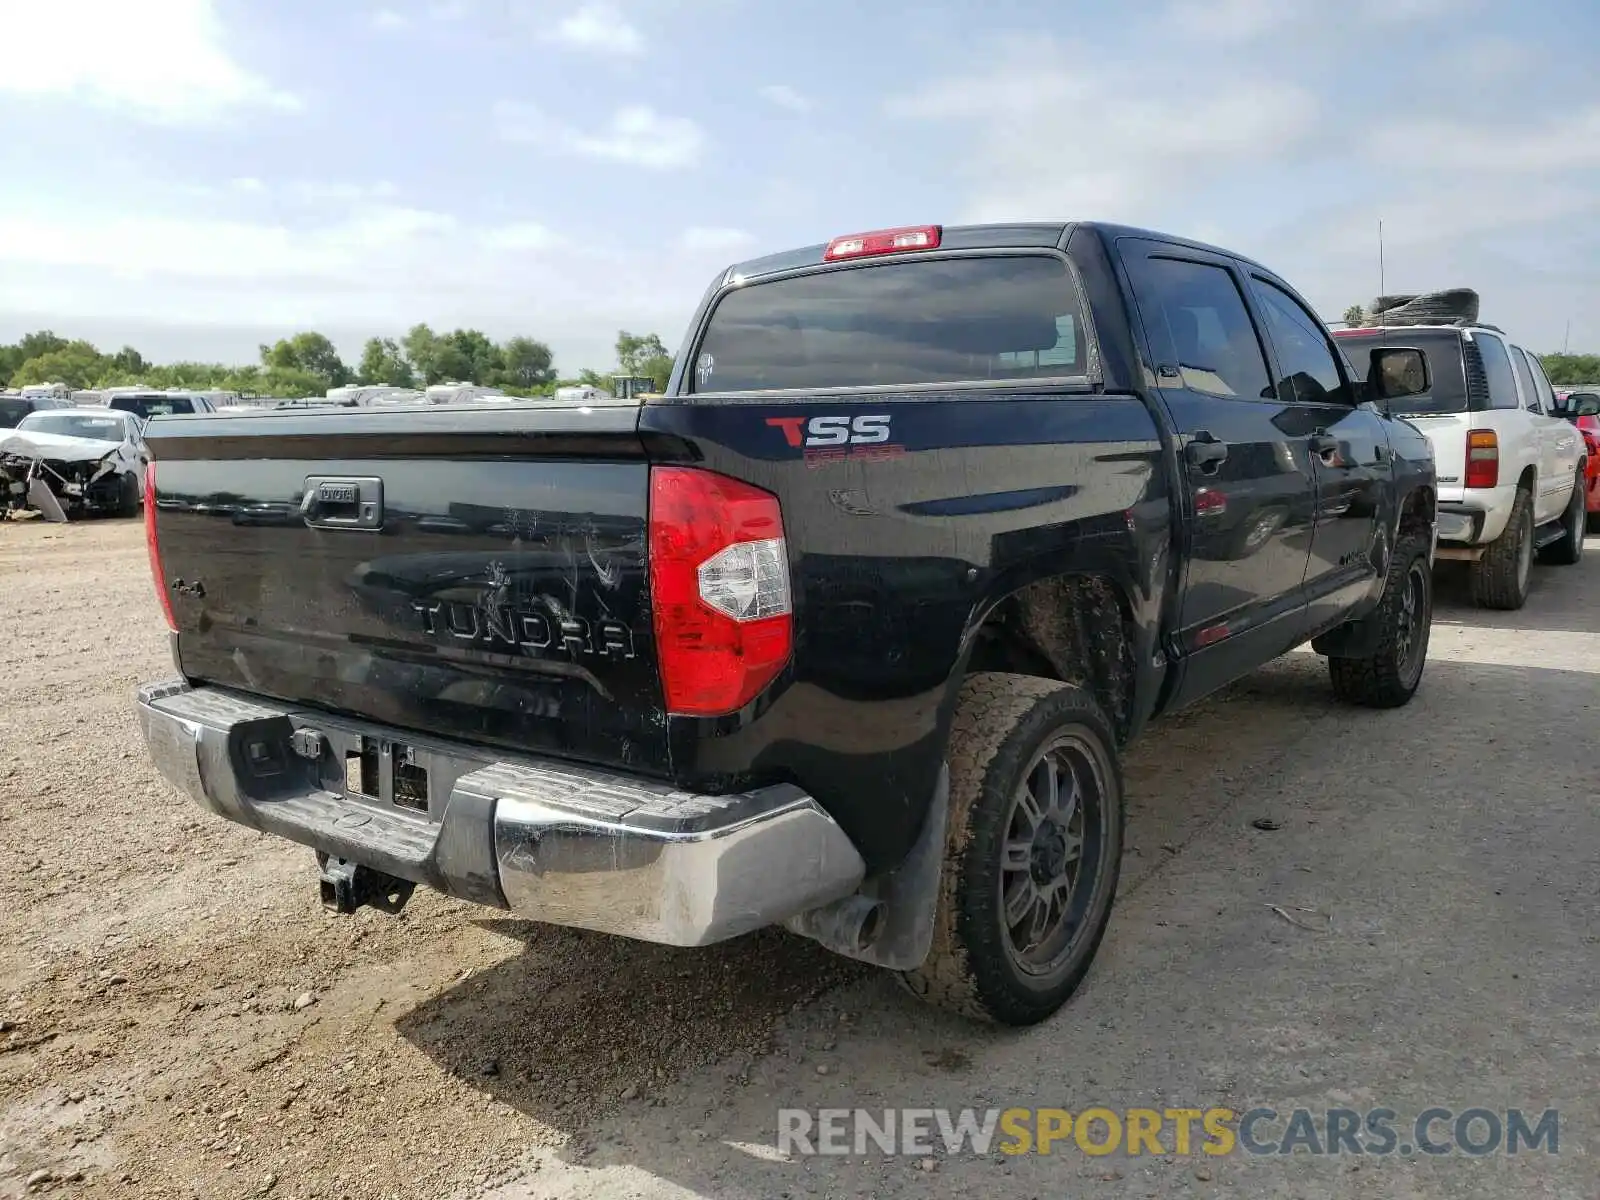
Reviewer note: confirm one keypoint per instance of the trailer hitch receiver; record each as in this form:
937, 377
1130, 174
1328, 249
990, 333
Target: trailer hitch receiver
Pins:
345, 886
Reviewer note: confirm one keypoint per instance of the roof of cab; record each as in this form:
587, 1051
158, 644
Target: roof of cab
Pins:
1016, 234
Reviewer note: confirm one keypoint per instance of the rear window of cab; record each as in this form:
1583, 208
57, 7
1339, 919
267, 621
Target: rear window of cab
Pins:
903, 323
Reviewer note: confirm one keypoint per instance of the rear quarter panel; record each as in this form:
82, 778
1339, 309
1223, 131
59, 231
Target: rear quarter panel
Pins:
898, 548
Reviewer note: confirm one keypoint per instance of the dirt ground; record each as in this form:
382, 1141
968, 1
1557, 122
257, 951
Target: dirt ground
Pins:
180, 1018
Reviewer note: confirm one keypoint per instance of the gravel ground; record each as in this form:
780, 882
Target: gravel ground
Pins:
179, 1018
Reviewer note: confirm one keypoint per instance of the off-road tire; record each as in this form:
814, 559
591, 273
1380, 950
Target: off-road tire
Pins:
1002, 722
1568, 550
1382, 304
1496, 577
1386, 678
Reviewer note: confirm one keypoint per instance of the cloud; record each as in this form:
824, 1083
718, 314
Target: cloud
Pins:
1229, 20
707, 240
786, 97
519, 236
218, 247
1569, 140
389, 21
1238, 21
212, 286
1132, 159
599, 26
636, 135
159, 60
311, 191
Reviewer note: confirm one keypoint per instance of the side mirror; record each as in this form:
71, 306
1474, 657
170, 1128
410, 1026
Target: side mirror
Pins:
1398, 371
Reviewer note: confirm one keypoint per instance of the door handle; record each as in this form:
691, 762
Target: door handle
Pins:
1205, 452
1323, 443
342, 503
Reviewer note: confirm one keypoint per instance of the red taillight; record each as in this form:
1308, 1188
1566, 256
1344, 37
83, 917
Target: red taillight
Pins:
719, 590
1589, 426
1483, 459
884, 241
154, 546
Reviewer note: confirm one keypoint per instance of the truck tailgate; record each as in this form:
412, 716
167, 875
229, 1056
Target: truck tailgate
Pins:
478, 573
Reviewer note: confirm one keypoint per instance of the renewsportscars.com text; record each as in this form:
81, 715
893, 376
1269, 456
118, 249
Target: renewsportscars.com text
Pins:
1212, 1131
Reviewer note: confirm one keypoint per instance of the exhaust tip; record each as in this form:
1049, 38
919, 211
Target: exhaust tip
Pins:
870, 925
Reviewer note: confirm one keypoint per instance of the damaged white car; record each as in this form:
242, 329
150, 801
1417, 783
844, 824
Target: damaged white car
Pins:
69, 463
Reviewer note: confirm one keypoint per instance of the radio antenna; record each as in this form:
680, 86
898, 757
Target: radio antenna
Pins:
1383, 289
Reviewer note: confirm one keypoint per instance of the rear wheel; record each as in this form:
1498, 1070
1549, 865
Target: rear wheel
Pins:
1388, 677
1033, 850
1500, 578
1568, 549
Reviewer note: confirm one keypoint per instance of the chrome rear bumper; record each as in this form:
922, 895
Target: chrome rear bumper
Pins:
551, 841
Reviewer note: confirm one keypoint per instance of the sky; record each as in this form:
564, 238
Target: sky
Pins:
195, 177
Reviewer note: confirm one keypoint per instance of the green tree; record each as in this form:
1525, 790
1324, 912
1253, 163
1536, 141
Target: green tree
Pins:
10, 360
659, 368
527, 363
307, 352
290, 383
130, 360
1571, 369
1355, 316
382, 361
589, 377
35, 345
479, 358
421, 345
451, 364
76, 364
635, 350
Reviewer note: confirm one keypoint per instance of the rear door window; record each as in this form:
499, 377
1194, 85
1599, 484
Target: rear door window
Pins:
1197, 320
1310, 374
1497, 370
1530, 390
1541, 384
933, 321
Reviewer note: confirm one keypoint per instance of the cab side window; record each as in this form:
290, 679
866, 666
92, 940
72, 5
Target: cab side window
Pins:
1310, 372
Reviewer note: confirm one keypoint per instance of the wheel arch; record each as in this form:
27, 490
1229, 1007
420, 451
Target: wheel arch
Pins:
1081, 627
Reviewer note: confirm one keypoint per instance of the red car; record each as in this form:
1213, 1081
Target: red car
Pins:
1582, 408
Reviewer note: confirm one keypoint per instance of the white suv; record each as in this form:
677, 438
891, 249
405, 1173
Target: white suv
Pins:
1510, 470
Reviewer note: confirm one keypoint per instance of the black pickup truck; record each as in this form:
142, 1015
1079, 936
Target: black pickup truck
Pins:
845, 631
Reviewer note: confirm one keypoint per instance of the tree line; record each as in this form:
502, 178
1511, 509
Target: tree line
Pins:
308, 364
